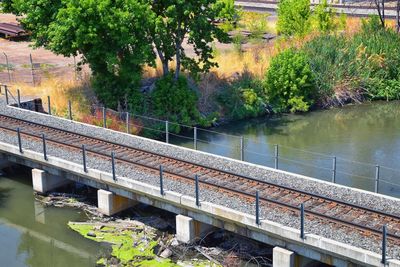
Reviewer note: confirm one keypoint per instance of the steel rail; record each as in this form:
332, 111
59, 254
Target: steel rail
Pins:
224, 188
222, 172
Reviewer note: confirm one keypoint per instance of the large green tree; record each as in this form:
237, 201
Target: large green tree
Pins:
110, 36
176, 20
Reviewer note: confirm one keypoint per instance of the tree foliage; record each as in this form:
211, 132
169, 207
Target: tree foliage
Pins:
293, 17
175, 20
324, 15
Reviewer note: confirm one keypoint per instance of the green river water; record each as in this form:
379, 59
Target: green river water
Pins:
31, 235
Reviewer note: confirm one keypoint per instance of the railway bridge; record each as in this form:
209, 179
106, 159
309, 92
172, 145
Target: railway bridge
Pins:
302, 217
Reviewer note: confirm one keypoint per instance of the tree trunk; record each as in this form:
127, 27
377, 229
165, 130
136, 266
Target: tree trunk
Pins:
178, 59
164, 62
380, 6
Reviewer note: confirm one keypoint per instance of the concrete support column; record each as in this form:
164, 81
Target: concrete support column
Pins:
188, 229
4, 163
110, 204
282, 257
43, 182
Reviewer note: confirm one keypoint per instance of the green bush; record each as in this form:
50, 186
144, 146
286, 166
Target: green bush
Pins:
324, 16
290, 82
243, 98
293, 17
175, 101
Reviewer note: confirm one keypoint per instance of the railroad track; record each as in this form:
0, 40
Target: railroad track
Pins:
343, 215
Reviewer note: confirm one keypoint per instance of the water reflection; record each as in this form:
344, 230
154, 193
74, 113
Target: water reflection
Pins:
367, 133
31, 235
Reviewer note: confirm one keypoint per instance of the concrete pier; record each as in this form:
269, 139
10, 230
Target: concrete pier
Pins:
110, 203
43, 181
4, 163
282, 257
188, 229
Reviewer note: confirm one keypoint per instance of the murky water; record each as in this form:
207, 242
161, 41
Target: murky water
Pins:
31, 235
367, 133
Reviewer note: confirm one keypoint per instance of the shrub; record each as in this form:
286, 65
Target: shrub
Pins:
293, 17
173, 100
324, 16
243, 98
290, 82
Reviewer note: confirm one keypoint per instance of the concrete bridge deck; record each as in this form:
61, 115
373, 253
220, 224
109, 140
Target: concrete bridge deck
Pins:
321, 243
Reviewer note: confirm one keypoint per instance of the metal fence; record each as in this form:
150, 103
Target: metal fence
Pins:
28, 69
373, 177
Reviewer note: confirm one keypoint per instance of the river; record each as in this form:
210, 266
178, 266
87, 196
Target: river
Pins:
360, 136
31, 235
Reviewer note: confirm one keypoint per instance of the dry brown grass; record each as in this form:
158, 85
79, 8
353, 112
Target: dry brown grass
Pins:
60, 91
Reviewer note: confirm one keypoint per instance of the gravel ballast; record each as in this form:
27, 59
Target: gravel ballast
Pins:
359, 197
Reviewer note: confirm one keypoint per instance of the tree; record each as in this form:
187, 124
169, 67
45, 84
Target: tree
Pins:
110, 37
325, 17
293, 17
175, 20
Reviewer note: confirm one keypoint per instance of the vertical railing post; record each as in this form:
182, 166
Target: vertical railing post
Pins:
6, 88
49, 104
44, 148
32, 70
377, 174
197, 190
334, 170
161, 180
195, 138
127, 122
104, 117
241, 148
69, 110
113, 166
257, 208
8, 67
276, 157
19, 98
166, 132
302, 214
84, 158
19, 140
384, 237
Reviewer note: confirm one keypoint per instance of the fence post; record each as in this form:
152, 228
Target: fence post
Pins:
8, 67
384, 237
113, 166
197, 190
32, 69
302, 214
241, 148
334, 170
69, 110
84, 158
104, 118
127, 122
195, 138
19, 98
19, 140
49, 104
161, 180
6, 88
377, 170
44, 148
276, 157
166, 132
257, 208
